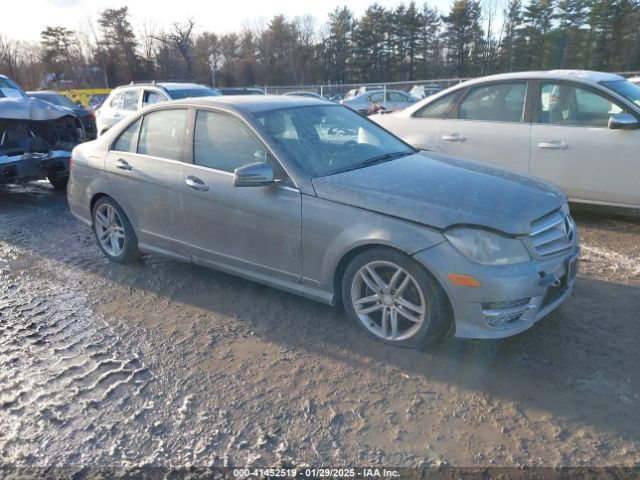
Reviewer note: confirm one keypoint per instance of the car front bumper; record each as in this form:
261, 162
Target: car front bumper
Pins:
510, 298
33, 166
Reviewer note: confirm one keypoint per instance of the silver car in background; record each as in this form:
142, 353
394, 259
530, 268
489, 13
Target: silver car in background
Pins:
310, 197
391, 100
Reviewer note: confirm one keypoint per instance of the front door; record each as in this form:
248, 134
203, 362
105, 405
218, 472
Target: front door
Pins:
572, 146
245, 229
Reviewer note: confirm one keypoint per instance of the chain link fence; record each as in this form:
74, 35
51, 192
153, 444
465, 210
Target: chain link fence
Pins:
418, 87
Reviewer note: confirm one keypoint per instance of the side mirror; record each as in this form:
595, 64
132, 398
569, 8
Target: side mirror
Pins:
623, 121
253, 175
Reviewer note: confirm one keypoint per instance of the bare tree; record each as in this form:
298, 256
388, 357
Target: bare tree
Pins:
21, 61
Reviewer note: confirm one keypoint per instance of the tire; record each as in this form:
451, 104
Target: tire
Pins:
113, 231
408, 293
58, 182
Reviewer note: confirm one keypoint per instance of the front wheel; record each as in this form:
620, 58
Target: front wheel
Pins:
114, 232
394, 299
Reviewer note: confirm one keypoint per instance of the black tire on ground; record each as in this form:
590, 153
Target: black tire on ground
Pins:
59, 182
437, 313
129, 251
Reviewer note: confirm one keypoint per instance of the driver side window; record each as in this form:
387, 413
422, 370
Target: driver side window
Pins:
566, 104
223, 143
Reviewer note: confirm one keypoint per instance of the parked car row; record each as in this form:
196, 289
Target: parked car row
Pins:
307, 195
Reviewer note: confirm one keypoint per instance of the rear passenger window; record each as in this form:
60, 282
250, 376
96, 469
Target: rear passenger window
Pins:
130, 100
438, 108
151, 98
129, 138
116, 101
503, 102
396, 97
161, 134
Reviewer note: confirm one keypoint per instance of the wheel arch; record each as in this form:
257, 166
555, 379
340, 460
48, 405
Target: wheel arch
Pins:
348, 256
449, 326
94, 200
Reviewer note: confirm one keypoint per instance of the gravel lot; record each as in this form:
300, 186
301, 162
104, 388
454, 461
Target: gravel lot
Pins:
165, 363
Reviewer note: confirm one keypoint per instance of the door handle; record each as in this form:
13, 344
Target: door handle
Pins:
196, 184
116, 115
454, 137
123, 165
554, 145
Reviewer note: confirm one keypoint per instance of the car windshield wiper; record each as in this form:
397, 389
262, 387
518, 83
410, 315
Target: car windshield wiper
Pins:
386, 157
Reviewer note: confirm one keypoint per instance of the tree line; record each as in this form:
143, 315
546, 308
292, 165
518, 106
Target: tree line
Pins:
408, 42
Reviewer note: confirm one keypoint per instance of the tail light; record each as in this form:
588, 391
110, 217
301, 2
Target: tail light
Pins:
70, 164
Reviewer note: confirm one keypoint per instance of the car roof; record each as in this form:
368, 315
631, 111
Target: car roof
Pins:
178, 85
165, 85
251, 103
580, 75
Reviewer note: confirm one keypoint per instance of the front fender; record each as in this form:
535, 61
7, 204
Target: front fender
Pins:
330, 231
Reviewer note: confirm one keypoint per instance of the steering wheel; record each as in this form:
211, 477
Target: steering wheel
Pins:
344, 148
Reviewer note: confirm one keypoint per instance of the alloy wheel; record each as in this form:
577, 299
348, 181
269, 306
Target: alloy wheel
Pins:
388, 300
109, 229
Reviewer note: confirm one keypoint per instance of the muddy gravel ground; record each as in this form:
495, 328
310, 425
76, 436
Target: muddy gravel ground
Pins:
163, 363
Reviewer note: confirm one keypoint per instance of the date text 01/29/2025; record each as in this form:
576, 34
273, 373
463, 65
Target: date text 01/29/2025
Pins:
316, 472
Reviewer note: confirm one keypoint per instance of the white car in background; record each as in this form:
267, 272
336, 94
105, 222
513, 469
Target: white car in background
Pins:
126, 100
577, 129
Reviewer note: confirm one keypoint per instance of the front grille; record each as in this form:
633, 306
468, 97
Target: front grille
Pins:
553, 233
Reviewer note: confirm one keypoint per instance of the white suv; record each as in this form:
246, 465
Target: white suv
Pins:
128, 99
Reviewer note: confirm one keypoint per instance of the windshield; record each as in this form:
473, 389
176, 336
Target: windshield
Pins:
625, 88
10, 89
192, 92
328, 139
59, 100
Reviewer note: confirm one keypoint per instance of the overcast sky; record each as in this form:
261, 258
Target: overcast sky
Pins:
25, 19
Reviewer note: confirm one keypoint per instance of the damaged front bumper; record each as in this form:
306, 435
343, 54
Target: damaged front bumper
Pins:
34, 166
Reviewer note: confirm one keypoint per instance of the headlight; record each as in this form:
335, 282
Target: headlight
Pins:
486, 247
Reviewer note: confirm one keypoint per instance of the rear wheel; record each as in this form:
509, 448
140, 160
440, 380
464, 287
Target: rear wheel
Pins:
114, 233
394, 299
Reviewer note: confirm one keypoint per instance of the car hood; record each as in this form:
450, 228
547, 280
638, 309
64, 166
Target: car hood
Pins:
20, 108
441, 192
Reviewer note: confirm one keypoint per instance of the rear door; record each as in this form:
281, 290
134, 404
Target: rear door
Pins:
422, 128
245, 229
489, 126
130, 102
109, 114
572, 146
145, 166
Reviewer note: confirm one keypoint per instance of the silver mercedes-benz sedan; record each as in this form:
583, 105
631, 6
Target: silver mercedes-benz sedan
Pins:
310, 197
